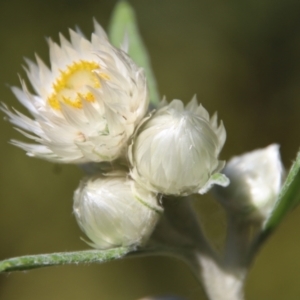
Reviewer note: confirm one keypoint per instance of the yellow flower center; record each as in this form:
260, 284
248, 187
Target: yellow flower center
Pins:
71, 86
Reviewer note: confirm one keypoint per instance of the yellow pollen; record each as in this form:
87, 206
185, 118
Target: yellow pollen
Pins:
71, 86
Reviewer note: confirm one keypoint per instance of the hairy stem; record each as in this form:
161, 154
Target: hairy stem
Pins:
46, 260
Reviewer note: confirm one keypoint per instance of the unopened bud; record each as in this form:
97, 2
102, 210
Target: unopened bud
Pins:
255, 182
114, 211
176, 150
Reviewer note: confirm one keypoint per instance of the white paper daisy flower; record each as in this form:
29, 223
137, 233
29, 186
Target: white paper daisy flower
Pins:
85, 106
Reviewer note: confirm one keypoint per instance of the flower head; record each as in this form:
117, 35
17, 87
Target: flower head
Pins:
176, 150
255, 182
114, 211
86, 106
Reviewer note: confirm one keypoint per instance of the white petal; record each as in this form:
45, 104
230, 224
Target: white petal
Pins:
99, 30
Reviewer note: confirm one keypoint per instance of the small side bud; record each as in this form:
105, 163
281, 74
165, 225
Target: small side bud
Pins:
255, 182
175, 151
114, 211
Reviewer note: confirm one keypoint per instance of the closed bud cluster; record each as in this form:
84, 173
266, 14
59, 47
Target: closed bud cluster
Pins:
176, 150
255, 182
114, 211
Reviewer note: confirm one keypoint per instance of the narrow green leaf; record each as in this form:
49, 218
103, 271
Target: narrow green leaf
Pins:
123, 22
64, 258
289, 196
288, 199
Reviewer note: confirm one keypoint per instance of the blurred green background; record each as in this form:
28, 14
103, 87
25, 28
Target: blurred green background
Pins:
242, 58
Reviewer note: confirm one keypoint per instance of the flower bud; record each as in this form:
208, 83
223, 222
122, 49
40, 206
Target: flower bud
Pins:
255, 182
176, 150
114, 211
